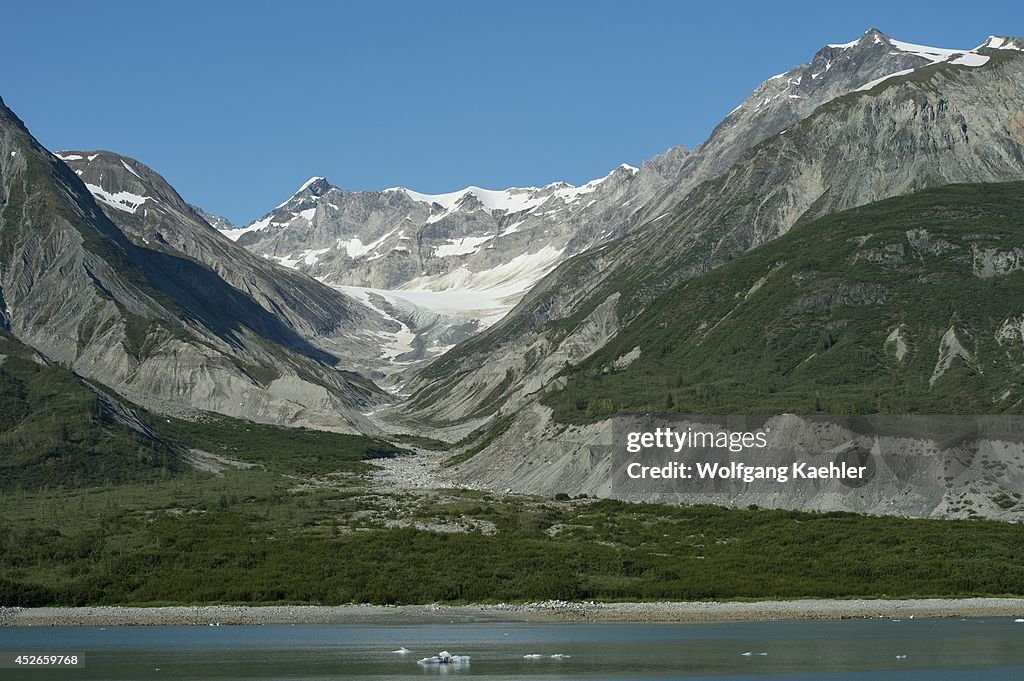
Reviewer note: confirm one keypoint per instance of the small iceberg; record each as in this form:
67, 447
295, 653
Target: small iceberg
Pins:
444, 657
402, 651
532, 656
1019, 620
560, 656
901, 657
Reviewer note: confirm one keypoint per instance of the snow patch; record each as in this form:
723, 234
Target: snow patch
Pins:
233, 234
870, 84
130, 169
463, 246
311, 256
67, 157
1002, 43
510, 201
512, 229
844, 46
305, 185
487, 295
396, 343
970, 59
125, 201
355, 248
933, 54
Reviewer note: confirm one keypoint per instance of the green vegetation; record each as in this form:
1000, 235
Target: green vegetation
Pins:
419, 441
254, 536
294, 451
803, 323
483, 437
54, 431
91, 514
96, 511
58, 432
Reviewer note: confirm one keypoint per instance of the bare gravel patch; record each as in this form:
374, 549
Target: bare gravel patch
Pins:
547, 611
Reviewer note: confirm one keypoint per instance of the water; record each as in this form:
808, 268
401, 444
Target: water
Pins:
936, 650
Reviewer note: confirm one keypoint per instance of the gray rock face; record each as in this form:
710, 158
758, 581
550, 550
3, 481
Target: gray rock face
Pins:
398, 238
916, 475
442, 267
946, 123
789, 97
468, 256
152, 214
218, 222
154, 324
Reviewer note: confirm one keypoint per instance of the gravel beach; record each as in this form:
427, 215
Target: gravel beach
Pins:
550, 611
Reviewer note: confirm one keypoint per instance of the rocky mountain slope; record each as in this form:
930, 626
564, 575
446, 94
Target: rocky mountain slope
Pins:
152, 214
909, 306
153, 324
473, 238
784, 99
942, 123
445, 266
59, 431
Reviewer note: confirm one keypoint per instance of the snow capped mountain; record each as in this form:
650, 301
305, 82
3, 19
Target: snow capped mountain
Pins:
780, 158
467, 256
861, 64
788, 98
154, 216
512, 200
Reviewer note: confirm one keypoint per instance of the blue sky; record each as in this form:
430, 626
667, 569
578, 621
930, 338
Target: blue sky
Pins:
236, 104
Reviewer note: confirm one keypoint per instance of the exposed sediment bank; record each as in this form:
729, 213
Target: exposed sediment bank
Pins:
549, 611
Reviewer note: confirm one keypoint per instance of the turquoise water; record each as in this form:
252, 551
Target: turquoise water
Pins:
964, 650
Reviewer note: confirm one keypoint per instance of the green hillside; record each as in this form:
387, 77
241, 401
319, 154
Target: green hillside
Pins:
56, 432
909, 305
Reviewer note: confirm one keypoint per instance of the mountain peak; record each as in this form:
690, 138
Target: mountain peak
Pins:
316, 185
873, 37
1003, 42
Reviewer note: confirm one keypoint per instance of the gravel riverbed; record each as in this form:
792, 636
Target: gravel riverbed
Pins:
549, 611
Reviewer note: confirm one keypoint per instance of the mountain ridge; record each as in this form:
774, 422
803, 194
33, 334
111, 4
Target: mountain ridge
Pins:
156, 326
808, 169
907, 306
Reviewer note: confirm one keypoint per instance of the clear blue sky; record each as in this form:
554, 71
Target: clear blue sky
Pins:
237, 103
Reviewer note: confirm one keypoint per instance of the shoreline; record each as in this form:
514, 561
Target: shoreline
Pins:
546, 612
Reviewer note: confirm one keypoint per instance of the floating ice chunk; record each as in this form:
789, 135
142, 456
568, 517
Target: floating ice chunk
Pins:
444, 657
